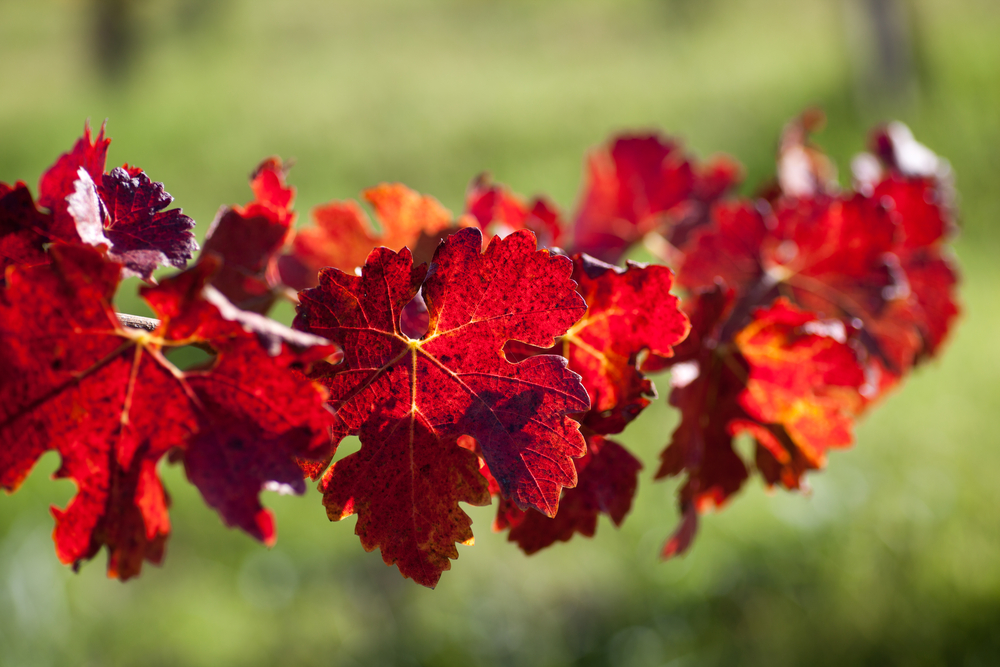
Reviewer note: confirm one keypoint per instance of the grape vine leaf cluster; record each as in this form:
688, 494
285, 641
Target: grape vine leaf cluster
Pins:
471, 364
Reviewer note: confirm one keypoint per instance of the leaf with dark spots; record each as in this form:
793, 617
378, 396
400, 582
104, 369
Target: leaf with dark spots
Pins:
407, 506
398, 394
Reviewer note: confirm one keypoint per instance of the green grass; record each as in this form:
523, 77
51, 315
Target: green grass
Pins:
894, 558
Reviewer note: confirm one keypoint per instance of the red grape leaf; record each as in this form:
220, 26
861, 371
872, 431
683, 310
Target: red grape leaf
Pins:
638, 184
123, 209
707, 383
454, 381
803, 376
608, 477
24, 230
499, 211
788, 379
342, 235
248, 238
59, 181
628, 310
111, 404
405, 485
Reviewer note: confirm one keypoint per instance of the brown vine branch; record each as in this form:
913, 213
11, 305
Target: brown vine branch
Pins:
136, 322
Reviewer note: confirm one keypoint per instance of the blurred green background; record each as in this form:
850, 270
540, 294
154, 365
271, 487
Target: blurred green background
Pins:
893, 558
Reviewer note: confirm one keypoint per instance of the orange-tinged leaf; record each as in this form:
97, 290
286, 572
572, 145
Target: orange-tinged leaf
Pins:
342, 235
628, 311
803, 376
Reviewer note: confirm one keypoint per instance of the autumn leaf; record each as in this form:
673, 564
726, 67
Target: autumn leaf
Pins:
706, 386
105, 397
122, 209
141, 233
24, 230
498, 211
249, 238
410, 400
640, 184
789, 380
608, 477
342, 235
803, 383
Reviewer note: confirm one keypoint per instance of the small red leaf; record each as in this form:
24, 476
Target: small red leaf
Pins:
248, 238
142, 234
498, 211
628, 311
608, 478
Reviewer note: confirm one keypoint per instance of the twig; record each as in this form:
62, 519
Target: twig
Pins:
136, 322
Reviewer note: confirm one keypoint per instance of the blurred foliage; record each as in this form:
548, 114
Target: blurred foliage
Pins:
893, 558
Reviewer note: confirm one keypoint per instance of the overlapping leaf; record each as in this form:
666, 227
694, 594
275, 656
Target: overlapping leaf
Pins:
72, 379
410, 400
122, 209
249, 238
608, 477
640, 184
789, 380
629, 311
498, 211
342, 234
875, 255
24, 230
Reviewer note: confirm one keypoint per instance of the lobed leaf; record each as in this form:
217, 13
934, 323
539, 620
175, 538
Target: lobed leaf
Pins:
410, 400
107, 399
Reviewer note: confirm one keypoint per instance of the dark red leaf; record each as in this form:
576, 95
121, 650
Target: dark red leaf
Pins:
24, 230
142, 234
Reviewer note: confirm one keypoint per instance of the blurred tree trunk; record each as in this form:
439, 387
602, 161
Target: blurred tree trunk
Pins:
881, 40
114, 35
